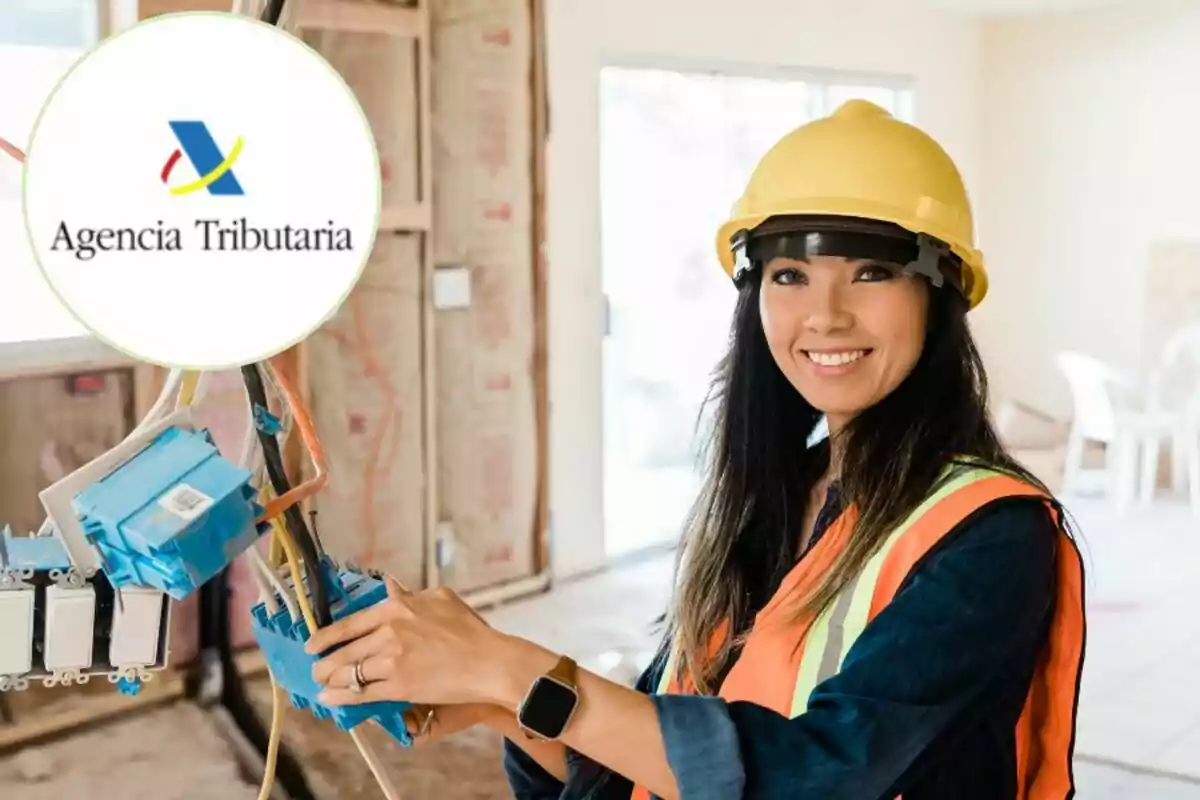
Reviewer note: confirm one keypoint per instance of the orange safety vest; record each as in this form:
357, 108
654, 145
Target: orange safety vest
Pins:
772, 672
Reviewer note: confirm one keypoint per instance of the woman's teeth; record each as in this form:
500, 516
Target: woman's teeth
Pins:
836, 359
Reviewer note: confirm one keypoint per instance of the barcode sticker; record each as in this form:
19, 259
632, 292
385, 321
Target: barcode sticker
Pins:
185, 502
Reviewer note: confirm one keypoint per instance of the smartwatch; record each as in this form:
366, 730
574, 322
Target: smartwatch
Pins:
551, 702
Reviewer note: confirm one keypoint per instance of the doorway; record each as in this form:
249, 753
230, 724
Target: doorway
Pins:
676, 149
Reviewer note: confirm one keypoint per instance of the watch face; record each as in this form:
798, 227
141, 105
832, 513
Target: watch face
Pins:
548, 708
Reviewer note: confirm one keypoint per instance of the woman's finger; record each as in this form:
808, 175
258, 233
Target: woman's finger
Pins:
378, 692
375, 668
354, 626
350, 655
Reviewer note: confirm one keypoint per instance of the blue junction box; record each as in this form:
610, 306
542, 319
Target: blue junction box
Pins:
282, 642
171, 517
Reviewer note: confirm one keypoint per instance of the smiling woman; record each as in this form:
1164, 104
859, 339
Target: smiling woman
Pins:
893, 610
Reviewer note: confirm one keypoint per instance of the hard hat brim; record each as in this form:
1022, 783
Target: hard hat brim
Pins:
971, 258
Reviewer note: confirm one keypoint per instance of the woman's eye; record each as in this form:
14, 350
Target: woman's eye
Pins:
788, 276
873, 273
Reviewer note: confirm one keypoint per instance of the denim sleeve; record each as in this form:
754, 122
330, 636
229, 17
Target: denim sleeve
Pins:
973, 610
586, 778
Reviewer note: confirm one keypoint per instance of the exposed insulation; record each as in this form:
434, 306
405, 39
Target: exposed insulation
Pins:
483, 219
381, 71
365, 370
47, 432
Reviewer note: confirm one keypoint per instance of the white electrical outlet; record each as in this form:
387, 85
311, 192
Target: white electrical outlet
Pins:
451, 288
16, 631
70, 612
137, 619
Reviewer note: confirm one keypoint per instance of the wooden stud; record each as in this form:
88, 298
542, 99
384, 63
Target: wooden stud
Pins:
88, 709
428, 322
507, 592
541, 122
361, 16
414, 218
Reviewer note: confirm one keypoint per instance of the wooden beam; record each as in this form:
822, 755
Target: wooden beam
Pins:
40, 724
416, 218
360, 16
480, 599
541, 344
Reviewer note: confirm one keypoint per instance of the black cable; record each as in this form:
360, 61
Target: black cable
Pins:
272, 12
292, 517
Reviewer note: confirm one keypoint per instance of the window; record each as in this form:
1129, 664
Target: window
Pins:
676, 149
39, 41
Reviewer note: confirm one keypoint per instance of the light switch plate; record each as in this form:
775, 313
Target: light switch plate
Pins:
451, 288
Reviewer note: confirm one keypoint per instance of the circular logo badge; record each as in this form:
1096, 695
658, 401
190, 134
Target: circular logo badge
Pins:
202, 190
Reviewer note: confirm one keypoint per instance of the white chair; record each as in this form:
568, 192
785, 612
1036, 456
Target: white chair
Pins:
1110, 408
1175, 389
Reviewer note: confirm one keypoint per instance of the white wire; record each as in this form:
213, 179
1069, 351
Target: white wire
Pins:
368, 753
264, 572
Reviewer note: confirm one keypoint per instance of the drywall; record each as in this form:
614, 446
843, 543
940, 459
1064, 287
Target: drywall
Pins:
1090, 163
939, 51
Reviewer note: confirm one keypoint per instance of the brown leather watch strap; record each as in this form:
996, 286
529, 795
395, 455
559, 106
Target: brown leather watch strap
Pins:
565, 670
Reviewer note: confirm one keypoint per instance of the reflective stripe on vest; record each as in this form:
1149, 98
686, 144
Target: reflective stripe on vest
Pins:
773, 672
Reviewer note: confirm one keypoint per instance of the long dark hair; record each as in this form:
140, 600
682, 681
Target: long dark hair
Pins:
742, 533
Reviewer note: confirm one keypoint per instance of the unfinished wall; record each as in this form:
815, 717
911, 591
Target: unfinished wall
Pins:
365, 367
1090, 165
51, 426
483, 220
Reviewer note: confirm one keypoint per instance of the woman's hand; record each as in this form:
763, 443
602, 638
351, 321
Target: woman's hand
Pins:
427, 647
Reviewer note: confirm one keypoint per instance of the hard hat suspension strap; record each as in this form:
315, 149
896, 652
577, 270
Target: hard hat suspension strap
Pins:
919, 254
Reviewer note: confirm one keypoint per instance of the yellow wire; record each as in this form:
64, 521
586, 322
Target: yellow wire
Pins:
293, 562
187, 389
268, 784
281, 538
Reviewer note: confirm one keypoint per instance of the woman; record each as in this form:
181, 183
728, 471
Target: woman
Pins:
895, 609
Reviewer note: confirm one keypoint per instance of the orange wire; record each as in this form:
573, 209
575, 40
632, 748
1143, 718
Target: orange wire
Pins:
361, 347
12, 150
316, 452
369, 480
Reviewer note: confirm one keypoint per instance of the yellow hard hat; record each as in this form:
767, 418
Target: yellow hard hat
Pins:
862, 164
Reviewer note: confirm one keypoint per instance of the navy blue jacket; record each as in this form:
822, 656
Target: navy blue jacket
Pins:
925, 705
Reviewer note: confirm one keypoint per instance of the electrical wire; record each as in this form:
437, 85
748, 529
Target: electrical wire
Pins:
272, 763
293, 497
187, 389
364, 747
270, 582
279, 481
14, 151
272, 12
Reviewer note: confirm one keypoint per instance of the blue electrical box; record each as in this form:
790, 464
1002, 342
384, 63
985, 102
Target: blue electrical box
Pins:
171, 517
42, 554
282, 642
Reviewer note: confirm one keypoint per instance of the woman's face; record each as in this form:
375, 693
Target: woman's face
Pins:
845, 332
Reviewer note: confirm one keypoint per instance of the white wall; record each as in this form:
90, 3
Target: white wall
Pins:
941, 52
1091, 153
